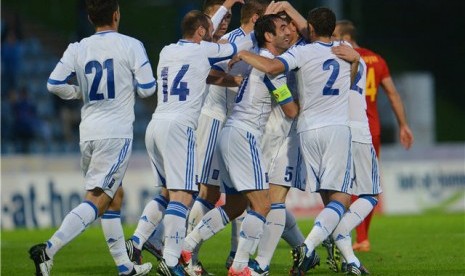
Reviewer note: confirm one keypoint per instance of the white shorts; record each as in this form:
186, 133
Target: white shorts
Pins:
240, 159
284, 161
104, 163
171, 148
366, 174
207, 134
328, 158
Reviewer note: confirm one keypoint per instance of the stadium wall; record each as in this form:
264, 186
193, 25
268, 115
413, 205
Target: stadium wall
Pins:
38, 191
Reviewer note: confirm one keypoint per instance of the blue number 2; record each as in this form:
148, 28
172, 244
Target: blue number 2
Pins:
359, 75
94, 94
178, 87
328, 90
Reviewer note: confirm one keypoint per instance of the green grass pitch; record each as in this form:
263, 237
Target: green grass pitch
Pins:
432, 244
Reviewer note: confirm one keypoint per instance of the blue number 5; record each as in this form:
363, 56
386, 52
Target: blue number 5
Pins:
94, 94
178, 87
328, 90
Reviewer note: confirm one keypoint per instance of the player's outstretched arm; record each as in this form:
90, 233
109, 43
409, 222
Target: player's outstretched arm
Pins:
221, 78
266, 65
405, 133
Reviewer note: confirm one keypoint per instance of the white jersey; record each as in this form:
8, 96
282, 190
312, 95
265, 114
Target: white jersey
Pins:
220, 100
253, 101
323, 85
358, 106
278, 123
108, 66
182, 72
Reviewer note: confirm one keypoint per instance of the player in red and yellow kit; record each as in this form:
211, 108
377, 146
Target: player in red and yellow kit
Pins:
377, 74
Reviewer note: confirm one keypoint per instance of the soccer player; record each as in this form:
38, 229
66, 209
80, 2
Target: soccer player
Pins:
377, 75
323, 86
281, 152
183, 70
242, 170
108, 67
365, 183
216, 108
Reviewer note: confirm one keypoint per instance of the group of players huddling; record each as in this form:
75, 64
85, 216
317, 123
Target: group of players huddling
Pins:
275, 104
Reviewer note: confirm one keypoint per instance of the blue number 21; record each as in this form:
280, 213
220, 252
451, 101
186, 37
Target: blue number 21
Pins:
94, 94
178, 87
328, 90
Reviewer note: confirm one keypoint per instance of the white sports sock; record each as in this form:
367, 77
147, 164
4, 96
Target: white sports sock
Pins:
150, 218
199, 209
175, 232
292, 234
114, 236
251, 232
75, 222
156, 239
325, 223
357, 212
235, 231
272, 232
213, 222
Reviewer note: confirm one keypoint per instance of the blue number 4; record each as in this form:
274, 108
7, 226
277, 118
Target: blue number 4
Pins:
355, 87
178, 87
328, 90
94, 94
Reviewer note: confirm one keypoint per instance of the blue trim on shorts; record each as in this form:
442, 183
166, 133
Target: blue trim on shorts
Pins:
190, 160
107, 183
298, 182
374, 171
257, 169
211, 144
347, 176
162, 179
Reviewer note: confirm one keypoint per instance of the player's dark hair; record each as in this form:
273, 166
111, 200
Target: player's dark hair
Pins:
323, 21
265, 24
192, 21
209, 4
347, 28
101, 11
252, 7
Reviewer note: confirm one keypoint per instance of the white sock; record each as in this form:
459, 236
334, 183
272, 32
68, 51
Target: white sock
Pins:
213, 222
150, 218
75, 222
156, 239
199, 209
251, 232
325, 223
114, 236
357, 212
272, 232
292, 234
235, 231
175, 232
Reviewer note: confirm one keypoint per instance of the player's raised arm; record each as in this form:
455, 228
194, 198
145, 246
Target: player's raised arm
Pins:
221, 78
347, 53
264, 64
299, 20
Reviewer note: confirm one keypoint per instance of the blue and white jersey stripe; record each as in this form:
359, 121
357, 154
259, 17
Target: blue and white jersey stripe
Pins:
190, 172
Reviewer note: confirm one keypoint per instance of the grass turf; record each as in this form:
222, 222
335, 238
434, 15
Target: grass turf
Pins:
431, 244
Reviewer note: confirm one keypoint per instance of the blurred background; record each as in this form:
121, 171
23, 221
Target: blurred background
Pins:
422, 42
